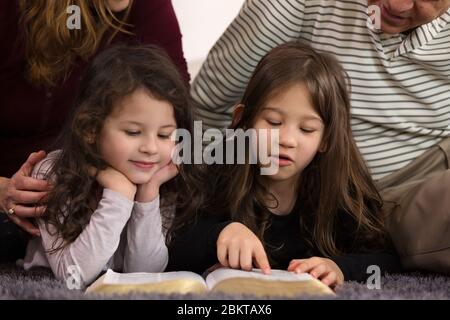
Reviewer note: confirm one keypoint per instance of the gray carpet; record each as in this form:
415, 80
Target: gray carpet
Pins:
40, 284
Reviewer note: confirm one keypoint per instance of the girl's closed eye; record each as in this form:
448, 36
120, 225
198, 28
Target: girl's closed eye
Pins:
132, 132
308, 130
164, 135
273, 122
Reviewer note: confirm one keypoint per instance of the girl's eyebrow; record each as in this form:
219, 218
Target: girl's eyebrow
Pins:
169, 126
273, 109
312, 117
307, 117
132, 122
141, 124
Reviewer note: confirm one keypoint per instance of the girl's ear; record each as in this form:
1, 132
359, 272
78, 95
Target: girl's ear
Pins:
237, 114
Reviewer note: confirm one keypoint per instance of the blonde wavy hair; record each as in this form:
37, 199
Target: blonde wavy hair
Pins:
52, 48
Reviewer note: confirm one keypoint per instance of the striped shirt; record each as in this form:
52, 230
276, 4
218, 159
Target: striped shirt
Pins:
400, 84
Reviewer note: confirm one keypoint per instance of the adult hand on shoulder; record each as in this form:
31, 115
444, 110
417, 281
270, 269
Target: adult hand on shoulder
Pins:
20, 194
321, 268
113, 179
238, 247
147, 192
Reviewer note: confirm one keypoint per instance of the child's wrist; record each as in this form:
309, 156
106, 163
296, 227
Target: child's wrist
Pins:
150, 194
129, 193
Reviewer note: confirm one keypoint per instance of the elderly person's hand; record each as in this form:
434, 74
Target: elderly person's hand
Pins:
20, 194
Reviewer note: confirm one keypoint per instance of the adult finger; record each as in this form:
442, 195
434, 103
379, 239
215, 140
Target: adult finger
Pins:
32, 160
31, 184
28, 197
25, 225
28, 212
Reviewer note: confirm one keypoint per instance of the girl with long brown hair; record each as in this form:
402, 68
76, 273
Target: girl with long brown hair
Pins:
320, 213
114, 166
45, 46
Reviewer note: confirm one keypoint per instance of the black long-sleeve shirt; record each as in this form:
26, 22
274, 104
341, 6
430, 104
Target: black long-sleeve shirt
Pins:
194, 248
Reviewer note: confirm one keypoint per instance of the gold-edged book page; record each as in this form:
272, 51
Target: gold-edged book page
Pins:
165, 282
182, 286
280, 283
272, 288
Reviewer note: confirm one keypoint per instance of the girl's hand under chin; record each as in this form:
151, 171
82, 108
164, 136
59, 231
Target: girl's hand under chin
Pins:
147, 192
113, 179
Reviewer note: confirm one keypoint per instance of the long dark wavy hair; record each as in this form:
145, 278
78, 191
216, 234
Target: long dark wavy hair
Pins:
113, 75
336, 181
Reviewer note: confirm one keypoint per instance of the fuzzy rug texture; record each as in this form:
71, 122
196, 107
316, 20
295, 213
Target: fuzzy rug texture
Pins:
15, 283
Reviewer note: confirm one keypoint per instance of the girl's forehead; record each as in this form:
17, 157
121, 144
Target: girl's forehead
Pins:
293, 99
143, 107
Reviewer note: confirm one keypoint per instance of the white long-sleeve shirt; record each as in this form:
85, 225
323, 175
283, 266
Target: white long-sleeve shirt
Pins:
121, 234
400, 83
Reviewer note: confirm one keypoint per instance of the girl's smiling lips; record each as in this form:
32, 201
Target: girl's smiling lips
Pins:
143, 164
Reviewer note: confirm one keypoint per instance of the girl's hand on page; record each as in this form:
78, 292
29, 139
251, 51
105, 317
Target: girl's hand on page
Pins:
238, 247
147, 192
321, 268
113, 179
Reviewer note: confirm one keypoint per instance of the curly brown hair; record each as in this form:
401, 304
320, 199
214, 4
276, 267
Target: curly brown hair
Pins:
113, 75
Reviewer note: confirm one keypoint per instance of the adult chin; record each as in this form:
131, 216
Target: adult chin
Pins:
389, 29
392, 23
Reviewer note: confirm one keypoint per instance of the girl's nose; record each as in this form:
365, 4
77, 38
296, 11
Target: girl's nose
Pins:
148, 145
288, 137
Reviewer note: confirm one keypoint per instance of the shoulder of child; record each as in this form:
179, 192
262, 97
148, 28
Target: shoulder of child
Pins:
43, 167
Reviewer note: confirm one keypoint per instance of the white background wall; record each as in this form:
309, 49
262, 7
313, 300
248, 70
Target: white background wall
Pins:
202, 22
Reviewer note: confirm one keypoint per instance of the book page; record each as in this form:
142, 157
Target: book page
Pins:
164, 282
280, 283
281, 275
112, 277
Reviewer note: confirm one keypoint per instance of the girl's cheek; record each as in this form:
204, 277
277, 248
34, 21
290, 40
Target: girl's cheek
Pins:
168, 151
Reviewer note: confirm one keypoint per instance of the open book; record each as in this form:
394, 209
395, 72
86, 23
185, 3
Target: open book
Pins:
280, 283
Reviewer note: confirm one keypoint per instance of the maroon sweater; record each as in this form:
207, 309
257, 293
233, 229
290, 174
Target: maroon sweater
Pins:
31, 117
